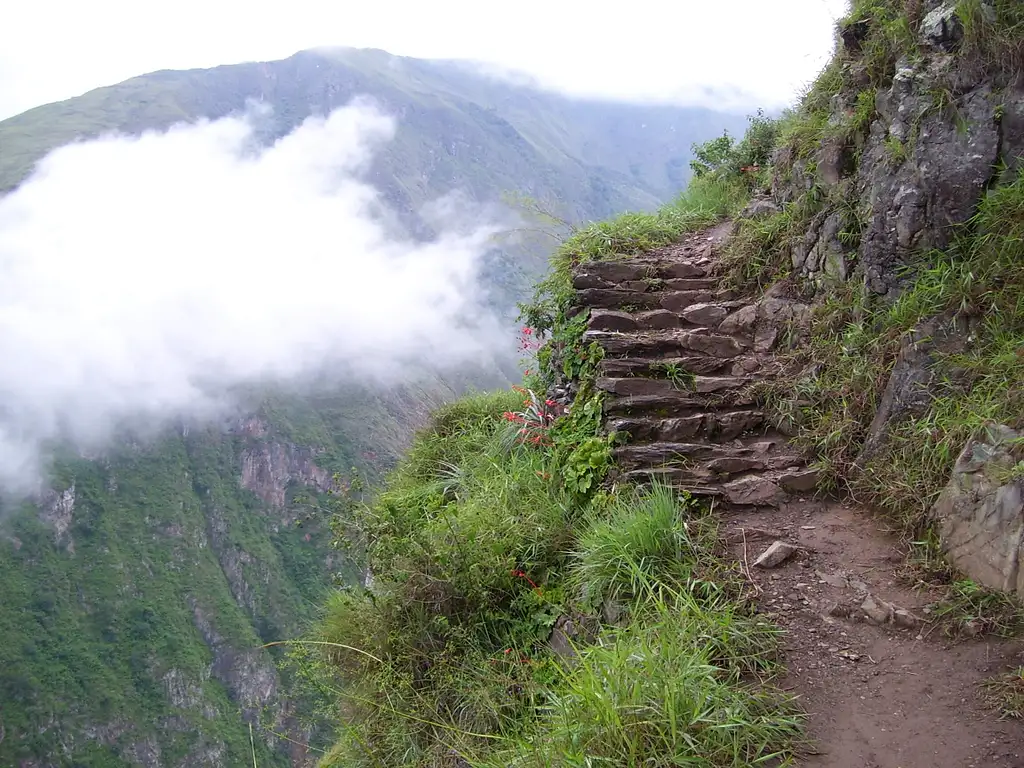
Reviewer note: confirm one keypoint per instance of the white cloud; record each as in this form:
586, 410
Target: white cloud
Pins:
646, 49
142, 278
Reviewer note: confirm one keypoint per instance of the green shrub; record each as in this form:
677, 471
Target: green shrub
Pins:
643, 538
745, 160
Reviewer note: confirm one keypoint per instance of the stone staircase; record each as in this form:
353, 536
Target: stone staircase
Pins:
680, 354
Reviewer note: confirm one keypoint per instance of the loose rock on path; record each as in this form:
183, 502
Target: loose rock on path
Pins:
880, 692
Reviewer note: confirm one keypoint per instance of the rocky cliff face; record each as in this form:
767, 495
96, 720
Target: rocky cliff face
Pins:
894, 210
905, 133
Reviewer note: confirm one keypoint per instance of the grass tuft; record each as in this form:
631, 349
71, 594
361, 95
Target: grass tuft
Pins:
1005, 694
969, 610
658, 693
642, 539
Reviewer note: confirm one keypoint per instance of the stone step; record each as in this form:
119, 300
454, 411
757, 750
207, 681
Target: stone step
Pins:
763, 489
716, 426
668, 343
621, 299
750, 490
699, 365
673, 403
595, 274
714, 459
632, 386
617, 321
702, 315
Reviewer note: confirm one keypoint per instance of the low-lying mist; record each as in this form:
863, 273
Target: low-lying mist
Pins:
143, 279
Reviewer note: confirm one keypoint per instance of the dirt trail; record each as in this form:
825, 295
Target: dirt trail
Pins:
877, 696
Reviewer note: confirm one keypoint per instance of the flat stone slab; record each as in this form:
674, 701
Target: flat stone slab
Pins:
778, 553
753, 491
611, 320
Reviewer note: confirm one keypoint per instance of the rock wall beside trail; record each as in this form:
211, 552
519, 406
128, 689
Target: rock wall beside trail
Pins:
917, 120
680, 355
907, 154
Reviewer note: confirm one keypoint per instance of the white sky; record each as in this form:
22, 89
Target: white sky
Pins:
664, 50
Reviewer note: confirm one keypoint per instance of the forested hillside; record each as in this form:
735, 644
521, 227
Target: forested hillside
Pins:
137, 594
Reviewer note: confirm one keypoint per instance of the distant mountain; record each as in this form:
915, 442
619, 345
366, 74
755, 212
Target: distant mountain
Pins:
458, 129
135, 598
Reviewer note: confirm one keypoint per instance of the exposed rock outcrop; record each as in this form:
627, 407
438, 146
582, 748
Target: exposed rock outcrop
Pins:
248, 673
57, 509
980, 514
270, 467
899, 182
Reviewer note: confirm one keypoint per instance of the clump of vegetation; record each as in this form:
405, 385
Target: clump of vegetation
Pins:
1006, 694
641, 539
746, 160
665, 691
477, 547
681, 379
993, 37
969, 609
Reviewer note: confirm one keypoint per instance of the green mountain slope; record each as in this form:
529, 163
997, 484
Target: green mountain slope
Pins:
134, 600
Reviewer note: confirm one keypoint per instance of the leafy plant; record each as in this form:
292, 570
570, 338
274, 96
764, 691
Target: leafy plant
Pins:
535, 419
725, 158
681, 378
587, 465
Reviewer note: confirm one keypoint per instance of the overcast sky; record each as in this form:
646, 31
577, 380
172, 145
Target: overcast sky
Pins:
635, 49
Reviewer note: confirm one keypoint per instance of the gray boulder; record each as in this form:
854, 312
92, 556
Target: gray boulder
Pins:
980, 514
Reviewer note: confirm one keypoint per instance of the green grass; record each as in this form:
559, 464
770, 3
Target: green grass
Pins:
467, 511
993, 37
477, 550
969, 609
664, 691
630, 234
681, 379
641, 539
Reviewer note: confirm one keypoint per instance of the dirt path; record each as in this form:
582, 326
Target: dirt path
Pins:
877, 695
